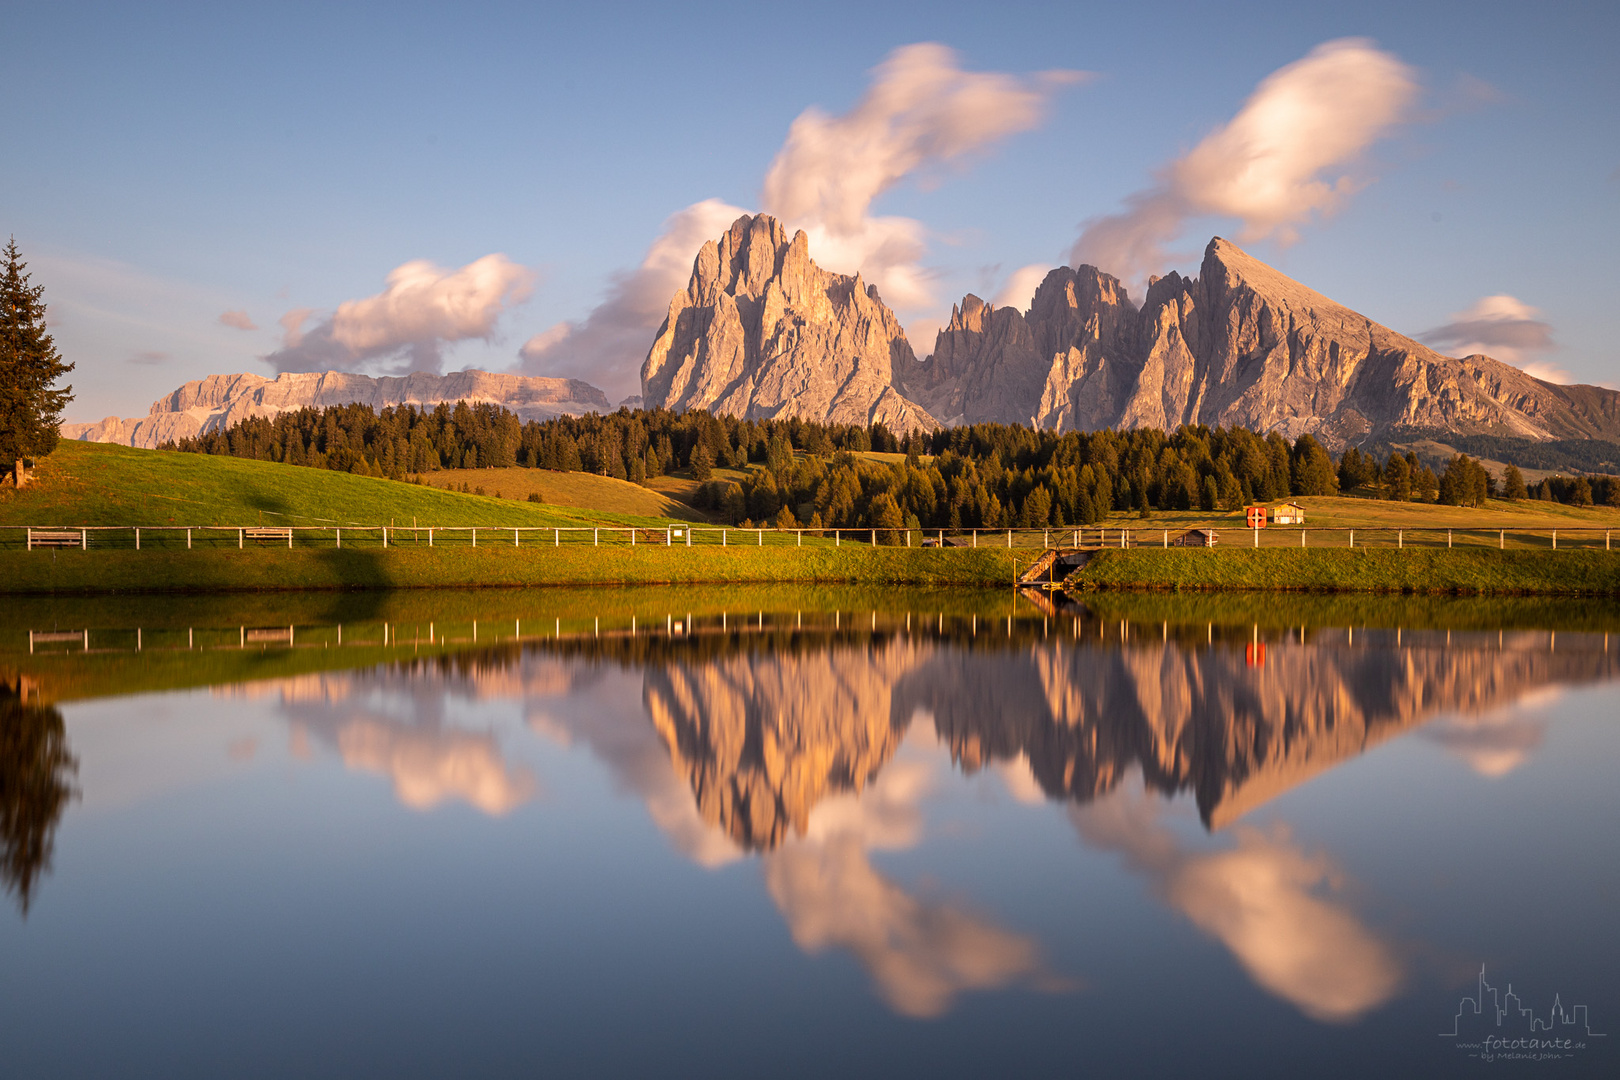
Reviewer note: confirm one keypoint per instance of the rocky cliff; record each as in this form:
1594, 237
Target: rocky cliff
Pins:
762, 739
761, 331
221, 400
1240, 344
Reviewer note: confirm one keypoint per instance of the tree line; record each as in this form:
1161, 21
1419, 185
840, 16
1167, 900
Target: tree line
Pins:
798, 473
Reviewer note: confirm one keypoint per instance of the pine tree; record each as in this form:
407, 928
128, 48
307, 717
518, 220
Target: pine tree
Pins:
702, 466
30, 409
1513, 483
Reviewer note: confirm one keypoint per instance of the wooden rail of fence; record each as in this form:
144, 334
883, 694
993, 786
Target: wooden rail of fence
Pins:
675, 625
103, 537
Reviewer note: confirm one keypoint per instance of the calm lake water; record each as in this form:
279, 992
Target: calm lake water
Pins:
808, 833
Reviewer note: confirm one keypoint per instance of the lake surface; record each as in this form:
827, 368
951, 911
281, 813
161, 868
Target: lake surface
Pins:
808, 832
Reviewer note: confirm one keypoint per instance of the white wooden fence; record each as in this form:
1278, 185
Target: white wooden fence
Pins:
142, 537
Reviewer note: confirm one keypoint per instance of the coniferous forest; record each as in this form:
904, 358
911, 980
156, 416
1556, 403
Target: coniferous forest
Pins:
802, 474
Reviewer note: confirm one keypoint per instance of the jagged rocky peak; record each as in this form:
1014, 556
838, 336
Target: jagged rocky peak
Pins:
761, 331
1053, 366
1240, 344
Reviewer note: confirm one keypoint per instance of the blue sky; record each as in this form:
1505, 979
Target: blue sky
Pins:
177, 162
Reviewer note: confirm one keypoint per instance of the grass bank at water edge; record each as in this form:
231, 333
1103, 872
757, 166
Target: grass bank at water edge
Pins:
1426, 571
231, 570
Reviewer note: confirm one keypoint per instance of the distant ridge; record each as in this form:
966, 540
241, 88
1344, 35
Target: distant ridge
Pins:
222, 400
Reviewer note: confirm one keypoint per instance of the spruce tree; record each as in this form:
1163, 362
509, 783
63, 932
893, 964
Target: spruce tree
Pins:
1513, 484
30, 409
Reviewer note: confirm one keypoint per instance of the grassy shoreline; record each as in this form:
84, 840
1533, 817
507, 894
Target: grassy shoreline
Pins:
1420, 571
262, 570
1429, 572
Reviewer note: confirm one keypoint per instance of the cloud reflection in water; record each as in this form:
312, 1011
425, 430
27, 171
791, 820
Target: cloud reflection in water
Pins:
1264, 900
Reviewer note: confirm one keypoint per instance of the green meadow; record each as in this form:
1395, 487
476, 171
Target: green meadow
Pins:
99, 484
1423, 571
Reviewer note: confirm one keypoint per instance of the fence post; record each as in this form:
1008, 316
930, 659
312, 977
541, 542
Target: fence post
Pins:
290, 534
837, 538
1009, 539
632, 537
1352, 538
138, 539
385, 536
556, 538
1167, 538
975, 537
1448, 538
688, 544
188, 539
239, 540
430, 537
339, 534
761, 538
1555, 539
801, 539
516, 542
1302, 538
722, 538
1501, 540
1256, 537
1400, 538
596, 538
1124, 537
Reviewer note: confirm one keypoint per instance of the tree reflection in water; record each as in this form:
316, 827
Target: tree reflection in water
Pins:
36, 782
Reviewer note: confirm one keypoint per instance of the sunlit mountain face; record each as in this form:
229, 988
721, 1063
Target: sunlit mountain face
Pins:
968, 800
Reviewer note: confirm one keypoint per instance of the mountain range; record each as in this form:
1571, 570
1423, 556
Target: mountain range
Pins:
219, 401
761, 739
761, 332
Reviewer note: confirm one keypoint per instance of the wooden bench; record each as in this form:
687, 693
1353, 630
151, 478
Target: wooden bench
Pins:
56, 539
264, 534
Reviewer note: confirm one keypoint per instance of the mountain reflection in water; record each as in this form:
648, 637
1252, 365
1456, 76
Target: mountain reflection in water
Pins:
813, 750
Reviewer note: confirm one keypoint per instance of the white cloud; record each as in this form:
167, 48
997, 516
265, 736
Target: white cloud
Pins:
1019, 292
608, 346
921, 112
1263, 900
1504, 328
920, 952
423, 308
292, 326
1282, 160
237, 320
429, 767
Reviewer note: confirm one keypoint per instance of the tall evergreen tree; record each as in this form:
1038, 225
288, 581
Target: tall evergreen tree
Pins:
1513, 483
30, 409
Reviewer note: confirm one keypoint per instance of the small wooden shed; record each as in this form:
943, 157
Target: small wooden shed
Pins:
1195, 538
1289, 514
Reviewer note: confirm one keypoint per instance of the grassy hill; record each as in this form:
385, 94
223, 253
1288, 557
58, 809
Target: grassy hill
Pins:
100, 484
585, 491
